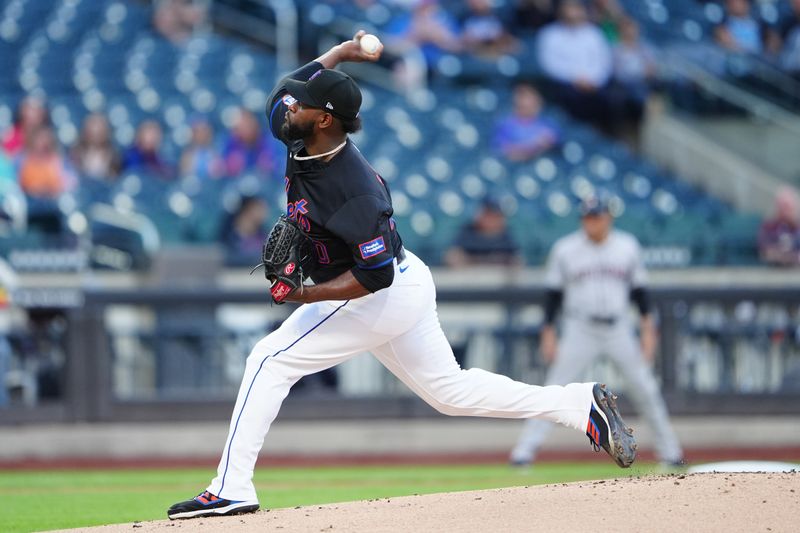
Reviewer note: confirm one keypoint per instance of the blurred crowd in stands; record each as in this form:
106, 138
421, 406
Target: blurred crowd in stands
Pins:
33, 159
592, 58
33, 162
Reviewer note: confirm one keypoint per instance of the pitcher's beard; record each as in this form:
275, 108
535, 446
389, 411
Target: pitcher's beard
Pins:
297, 132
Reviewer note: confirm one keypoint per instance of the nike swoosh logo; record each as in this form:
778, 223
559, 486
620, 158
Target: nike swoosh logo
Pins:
403, 269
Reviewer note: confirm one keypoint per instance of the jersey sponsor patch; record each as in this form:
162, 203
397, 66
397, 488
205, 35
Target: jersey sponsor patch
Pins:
288, 99
372, 248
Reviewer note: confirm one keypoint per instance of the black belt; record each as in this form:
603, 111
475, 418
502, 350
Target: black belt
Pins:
603, 320
401, 256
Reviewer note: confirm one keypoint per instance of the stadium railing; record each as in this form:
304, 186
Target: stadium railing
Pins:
178, 354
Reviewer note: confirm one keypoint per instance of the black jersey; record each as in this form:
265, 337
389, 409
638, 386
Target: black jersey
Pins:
343, 204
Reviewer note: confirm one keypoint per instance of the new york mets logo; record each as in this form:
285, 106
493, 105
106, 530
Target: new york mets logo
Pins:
300, 207
297, 210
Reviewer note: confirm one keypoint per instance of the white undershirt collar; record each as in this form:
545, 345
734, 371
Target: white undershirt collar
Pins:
309, 157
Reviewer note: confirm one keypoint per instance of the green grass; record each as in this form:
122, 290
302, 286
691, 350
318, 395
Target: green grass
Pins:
42, 500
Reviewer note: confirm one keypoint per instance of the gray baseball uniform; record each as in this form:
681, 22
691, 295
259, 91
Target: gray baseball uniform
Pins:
596, 280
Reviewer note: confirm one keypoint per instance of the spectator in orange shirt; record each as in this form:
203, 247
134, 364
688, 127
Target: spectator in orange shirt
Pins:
42, 170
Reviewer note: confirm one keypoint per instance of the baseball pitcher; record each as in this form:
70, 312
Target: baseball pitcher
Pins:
369, 294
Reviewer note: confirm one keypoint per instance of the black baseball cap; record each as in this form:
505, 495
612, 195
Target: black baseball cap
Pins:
331, 90
595, 205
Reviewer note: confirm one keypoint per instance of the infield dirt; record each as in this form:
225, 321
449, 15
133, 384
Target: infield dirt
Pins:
692, 502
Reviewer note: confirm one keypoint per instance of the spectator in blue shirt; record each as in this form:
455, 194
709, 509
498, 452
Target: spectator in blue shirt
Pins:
247, 149
243, 232
524, 134
427, 26
145, 154
485, 240
790, 40
200, 158
483, 32
741, 32
635, 70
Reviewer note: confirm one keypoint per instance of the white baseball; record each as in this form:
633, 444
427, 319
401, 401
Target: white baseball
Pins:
370, 43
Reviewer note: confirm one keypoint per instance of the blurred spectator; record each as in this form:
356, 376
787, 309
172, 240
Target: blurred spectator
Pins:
94, 155
524, 134
31, 114
635, 69
247, 148
43, 172
13, 206
243, 232
576, 57
485, 240
427, 26
790, 40
779, 236
608, 15
178, 19
200, 158
144, 155
8, 174
741, 32
530, 15
8, 282
483, 33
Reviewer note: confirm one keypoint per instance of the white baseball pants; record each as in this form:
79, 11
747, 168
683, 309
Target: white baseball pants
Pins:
582, 343
399, 325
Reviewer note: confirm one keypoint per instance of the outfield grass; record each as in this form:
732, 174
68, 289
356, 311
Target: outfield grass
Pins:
42, 500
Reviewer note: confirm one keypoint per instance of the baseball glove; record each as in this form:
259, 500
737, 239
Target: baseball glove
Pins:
286, 254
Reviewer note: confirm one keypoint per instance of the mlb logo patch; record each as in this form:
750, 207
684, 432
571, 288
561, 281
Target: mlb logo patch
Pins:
372, 248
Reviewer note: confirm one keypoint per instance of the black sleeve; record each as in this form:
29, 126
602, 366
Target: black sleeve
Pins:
552, 303
363, 223
641, 297
279, 101
374, 279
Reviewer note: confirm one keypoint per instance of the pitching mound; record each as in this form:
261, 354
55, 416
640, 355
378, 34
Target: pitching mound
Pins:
695, 502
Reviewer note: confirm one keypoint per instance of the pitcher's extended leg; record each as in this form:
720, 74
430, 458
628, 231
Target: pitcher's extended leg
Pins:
423, 360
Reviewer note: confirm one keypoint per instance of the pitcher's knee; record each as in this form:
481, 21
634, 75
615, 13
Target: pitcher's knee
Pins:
448, 409
451, 399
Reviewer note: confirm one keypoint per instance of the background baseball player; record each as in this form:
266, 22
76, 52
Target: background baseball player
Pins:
596, 271
369, 294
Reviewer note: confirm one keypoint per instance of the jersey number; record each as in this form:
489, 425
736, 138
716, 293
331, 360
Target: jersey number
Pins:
322, 253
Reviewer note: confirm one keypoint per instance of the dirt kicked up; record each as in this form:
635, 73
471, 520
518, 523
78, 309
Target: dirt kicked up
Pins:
714, 502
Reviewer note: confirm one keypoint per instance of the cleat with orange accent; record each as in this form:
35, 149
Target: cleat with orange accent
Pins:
207, 504
607, 430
